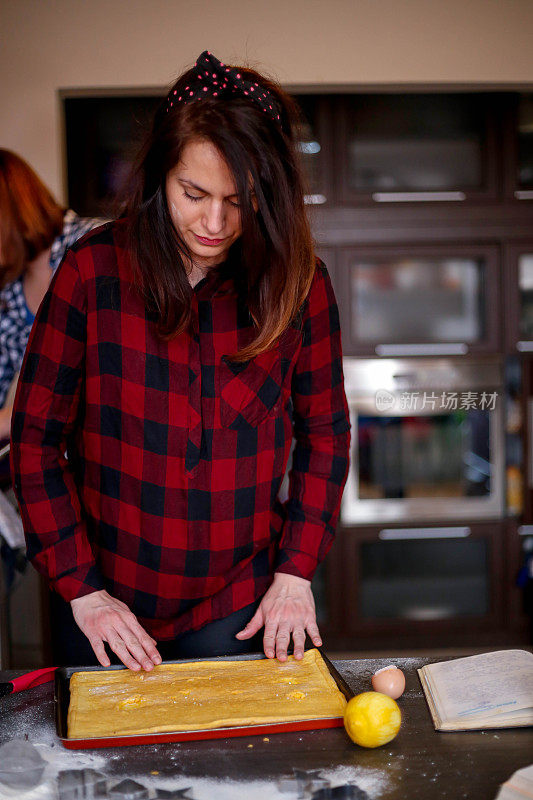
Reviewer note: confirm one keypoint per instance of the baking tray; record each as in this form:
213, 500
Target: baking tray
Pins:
62, 701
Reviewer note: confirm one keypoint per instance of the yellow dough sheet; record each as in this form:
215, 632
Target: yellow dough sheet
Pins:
201, 695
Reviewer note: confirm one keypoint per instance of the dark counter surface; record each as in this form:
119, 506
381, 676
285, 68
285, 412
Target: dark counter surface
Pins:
419, 763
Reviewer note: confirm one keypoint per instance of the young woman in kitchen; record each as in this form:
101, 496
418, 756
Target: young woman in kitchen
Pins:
176, 355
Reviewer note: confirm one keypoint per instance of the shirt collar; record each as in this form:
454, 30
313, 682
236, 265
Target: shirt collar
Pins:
219, 280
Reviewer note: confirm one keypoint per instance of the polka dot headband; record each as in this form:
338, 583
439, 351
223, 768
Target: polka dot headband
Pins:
215, 79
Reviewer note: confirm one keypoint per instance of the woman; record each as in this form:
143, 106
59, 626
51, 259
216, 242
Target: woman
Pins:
175, 355
35, 233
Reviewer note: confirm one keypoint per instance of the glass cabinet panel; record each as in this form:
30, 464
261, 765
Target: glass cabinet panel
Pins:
311, 149
427, 440
525, 284
424, 579
103, 135
525, 142
426, 456
415, 142
417, 299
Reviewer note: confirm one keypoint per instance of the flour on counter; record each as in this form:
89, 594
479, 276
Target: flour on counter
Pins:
373, 781
58, 758
34, 721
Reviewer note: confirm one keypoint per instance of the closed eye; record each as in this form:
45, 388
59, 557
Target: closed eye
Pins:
192, 197
196, 199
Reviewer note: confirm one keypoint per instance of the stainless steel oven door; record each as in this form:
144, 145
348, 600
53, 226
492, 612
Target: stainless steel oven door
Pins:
427, 441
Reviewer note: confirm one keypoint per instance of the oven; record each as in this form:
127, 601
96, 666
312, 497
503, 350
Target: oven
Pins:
427, 441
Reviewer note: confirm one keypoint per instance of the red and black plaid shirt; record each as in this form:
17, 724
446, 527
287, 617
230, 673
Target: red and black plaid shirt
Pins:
168, 496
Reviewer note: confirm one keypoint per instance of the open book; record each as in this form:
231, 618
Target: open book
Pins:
491, 690
519, 786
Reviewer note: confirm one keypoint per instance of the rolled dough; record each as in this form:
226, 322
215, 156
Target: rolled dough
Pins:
201, 695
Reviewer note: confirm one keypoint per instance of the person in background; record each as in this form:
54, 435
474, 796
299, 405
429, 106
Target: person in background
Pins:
35, 233
177, 352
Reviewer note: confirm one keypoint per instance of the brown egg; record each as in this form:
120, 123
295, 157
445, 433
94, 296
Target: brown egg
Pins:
389, 680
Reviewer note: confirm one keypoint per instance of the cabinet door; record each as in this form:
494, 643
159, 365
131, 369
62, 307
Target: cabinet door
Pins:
328, 256
314, 147
420, 300
418, 578
518, 272
518, 146
417, 147
324, 585
103, 135
519, 548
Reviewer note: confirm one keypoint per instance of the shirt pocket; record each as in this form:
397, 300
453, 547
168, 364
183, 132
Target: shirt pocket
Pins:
252, 390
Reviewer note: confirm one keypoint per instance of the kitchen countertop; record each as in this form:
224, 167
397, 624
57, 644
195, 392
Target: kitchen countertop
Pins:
419, 763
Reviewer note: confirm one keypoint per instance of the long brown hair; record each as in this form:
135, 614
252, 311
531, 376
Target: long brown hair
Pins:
30, 217
274, 255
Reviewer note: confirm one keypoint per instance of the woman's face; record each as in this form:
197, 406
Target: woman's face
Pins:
203, 203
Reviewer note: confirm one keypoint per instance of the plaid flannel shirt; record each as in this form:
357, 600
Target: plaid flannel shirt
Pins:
152, 468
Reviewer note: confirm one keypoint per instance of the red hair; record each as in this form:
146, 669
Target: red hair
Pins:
30, 217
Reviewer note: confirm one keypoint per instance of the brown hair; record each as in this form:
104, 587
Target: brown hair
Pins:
30, 218
274, 256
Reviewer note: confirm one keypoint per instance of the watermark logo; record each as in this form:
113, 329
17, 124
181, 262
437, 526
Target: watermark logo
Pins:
385, 400
435, 401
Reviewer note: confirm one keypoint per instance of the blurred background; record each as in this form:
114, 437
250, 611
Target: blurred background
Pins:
417, 142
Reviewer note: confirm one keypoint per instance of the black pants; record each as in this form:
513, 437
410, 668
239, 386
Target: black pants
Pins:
70, 647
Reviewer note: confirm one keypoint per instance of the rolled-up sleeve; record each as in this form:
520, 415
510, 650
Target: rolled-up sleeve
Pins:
44, 416
322, 433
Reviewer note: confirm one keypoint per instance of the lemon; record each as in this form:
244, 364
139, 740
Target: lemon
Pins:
372, 719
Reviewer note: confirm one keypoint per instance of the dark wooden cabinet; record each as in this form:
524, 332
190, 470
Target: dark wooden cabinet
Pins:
407, 150
419, 202
517, 133
434, 206
315, 142
417, 147
329, 257
518, 281
518, 543
102, 135
420, 299
415, 586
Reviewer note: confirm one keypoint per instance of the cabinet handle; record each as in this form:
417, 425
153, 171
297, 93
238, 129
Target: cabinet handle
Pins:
525, 530
524, 347
314, 199
524, 194
399, 534
431, 349
417, 197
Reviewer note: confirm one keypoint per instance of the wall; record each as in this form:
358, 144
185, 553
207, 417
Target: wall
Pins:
47, 45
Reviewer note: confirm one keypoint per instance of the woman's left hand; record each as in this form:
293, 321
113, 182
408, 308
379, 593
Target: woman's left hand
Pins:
288, 607
5, 422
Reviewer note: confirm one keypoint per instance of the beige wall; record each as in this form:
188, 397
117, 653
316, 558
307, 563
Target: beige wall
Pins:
47, 45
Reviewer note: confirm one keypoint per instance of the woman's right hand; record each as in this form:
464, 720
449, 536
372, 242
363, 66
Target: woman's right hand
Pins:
103, 618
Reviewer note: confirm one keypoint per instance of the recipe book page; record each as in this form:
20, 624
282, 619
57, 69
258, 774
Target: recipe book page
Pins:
484, 685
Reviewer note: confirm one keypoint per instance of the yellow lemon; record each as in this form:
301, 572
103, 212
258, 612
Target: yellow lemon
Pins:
372, 719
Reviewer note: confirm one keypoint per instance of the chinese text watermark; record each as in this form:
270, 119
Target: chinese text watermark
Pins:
435, 401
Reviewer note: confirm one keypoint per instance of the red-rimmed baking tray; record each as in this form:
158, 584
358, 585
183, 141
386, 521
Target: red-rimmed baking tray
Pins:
62, 701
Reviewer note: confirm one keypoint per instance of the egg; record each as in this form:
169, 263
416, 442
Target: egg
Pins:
390, 681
